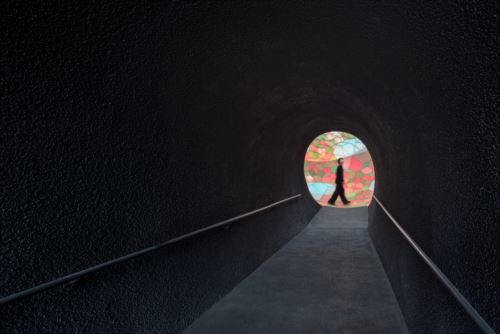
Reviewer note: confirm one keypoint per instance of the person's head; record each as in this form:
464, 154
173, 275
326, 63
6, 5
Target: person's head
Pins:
340, 161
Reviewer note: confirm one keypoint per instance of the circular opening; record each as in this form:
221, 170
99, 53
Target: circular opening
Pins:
322, 173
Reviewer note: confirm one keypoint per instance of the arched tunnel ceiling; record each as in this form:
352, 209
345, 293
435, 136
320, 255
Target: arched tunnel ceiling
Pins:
124, 125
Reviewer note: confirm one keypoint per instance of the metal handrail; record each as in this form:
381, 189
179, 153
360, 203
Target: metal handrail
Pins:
441, 276
79, 274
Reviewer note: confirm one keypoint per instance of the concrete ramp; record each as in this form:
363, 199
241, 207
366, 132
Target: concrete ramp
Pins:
328, 279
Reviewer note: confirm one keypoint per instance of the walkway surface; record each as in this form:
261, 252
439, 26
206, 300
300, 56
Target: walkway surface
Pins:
328, 279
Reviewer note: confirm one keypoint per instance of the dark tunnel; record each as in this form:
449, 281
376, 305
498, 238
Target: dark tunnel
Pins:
124, 125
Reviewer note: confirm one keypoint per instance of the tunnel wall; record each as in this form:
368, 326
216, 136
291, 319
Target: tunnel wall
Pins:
125, 125
114, 140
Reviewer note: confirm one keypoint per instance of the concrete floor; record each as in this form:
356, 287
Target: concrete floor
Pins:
328, 279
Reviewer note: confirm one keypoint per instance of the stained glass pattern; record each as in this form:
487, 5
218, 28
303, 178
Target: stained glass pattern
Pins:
320, 166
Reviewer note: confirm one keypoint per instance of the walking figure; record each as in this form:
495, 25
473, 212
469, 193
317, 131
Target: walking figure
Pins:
339, 181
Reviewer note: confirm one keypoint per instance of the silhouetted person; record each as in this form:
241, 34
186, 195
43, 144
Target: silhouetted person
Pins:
339, 181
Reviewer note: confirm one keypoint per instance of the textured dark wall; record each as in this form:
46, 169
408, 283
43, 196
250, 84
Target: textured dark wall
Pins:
124, 125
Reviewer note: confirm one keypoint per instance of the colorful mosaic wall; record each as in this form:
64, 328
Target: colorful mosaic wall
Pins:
320, 166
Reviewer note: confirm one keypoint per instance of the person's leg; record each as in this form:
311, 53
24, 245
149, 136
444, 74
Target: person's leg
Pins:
334, 196
342, 195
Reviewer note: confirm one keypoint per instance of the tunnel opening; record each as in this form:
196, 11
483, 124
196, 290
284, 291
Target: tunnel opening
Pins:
321, 165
